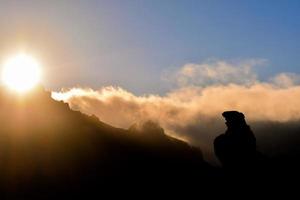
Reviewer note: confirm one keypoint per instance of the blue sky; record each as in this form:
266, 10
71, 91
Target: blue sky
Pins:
131, 43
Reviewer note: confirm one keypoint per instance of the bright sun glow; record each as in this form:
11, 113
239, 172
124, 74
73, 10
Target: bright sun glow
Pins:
21, 73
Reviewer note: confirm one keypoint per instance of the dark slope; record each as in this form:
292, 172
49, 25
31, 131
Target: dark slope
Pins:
48, 150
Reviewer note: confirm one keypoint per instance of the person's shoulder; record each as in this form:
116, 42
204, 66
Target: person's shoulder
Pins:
220, 138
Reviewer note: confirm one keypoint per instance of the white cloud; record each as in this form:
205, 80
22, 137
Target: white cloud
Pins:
286, 80
216, 72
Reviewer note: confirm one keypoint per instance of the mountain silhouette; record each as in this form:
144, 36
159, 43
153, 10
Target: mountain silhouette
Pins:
48, 150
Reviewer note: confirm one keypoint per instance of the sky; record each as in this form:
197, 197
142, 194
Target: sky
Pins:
133, 44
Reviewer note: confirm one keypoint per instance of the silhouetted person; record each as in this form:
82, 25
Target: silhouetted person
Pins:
236, 148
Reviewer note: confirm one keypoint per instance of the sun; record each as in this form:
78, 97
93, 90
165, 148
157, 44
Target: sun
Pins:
21, 73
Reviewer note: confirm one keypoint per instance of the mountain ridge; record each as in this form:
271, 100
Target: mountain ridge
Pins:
47, 148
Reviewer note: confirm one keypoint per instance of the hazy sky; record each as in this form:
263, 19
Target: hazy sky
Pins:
133, 43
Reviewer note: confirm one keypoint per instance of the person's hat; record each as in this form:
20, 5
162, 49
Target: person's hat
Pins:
233, 116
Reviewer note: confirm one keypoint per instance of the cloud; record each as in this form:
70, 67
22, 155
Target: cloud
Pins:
286, 80
215, 72
192, 112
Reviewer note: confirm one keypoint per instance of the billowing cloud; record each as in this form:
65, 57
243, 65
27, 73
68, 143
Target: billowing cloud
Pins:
215, 72
286, 80
193, 112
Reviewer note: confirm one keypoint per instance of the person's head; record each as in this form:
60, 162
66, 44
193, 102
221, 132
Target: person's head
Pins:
234, 119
